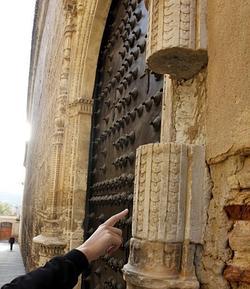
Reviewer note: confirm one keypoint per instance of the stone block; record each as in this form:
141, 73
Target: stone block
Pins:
169, 216
169, 195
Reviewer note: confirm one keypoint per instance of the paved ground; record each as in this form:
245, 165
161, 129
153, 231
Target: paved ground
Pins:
11, 263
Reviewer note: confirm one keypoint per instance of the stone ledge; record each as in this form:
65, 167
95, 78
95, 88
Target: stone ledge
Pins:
49, 241
180, 63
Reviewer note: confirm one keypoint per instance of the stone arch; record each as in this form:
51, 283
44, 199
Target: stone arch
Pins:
89, 35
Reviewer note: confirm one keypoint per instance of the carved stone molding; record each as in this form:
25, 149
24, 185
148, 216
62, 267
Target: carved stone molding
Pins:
49, 242
169, 216
80, 106
70, 6
177, 40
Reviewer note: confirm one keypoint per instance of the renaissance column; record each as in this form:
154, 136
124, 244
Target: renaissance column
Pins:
168, 216
172, 183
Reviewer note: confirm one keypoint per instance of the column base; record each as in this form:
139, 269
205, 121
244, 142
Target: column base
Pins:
136, 279
48, 247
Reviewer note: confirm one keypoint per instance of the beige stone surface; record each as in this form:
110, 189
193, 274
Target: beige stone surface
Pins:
57, 155
228, 113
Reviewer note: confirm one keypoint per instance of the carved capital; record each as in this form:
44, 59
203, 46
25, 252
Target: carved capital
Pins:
177, 40
80, 106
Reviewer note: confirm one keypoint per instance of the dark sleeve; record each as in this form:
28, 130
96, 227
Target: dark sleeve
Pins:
60, 272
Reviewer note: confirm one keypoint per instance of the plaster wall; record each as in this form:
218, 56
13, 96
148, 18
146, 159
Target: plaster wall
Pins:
227, 140
228, 105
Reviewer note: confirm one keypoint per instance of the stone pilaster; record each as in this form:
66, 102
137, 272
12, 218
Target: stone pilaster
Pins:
177, 40
79, 125
50, 240
169, 214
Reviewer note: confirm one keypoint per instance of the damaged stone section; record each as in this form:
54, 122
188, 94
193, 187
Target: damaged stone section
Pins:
171, 196
224, 260
238, 210
177, 43
238, 269
189, 110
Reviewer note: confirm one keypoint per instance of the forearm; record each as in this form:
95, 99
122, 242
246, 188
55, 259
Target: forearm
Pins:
59, 272
63, 272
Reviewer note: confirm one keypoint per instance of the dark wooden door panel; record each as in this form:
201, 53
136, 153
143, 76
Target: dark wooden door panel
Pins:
127, 114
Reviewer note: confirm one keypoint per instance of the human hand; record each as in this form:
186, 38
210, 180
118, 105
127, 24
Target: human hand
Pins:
106, 239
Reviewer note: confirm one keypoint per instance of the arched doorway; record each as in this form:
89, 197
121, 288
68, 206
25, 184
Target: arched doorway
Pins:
5, 230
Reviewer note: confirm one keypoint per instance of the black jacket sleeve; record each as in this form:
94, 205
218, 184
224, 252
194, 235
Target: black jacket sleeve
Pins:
60, 272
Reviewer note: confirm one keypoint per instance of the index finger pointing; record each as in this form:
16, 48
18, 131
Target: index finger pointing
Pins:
114, 219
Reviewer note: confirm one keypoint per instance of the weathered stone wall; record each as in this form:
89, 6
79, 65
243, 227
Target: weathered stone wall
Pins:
59, 109
227, 128
43, 89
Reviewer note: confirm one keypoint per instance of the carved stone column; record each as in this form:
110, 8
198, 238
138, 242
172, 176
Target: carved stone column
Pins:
168, 217
177, 40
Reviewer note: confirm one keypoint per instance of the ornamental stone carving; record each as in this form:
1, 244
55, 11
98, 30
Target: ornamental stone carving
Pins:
177, 40
50, 242
169, 216
80, 106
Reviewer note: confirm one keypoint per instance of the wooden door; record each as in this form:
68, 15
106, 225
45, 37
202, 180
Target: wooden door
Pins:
126, 114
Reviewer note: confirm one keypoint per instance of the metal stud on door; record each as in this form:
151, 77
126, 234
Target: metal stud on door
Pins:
127, 114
